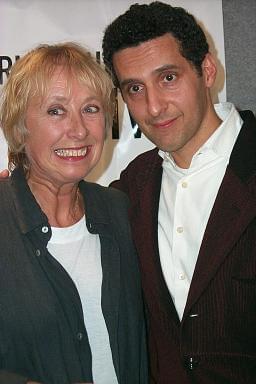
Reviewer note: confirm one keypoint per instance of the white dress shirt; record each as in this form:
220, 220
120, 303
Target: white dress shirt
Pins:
186, 200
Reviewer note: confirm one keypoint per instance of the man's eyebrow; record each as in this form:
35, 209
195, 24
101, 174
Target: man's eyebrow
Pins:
125, 82
165, 67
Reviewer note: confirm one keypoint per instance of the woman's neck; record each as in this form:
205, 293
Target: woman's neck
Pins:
63, 205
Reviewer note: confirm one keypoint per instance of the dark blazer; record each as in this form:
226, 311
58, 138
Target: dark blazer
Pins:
216, 340
42, 332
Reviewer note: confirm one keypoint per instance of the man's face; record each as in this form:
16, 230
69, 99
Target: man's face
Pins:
165, 95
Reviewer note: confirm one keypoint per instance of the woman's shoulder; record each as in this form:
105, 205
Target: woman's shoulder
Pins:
101, 192
105, 201
5, 186
6, 200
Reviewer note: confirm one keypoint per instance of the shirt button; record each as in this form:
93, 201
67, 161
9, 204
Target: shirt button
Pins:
184, 184
38, 253
45, 229
179, 229
182, 276
79, 336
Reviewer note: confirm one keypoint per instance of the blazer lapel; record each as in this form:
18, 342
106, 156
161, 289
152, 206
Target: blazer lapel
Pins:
144, 218
111, 289
234, 209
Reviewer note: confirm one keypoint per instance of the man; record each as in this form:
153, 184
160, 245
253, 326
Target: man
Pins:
193, 199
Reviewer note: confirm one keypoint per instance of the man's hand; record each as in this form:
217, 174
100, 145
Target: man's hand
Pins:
4, 174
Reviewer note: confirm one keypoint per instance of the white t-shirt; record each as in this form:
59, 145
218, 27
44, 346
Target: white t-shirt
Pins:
79, 252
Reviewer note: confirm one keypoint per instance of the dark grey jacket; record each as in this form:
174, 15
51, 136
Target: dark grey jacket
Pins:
42, 332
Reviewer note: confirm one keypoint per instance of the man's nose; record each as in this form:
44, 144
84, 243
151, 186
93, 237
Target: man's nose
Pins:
156, 102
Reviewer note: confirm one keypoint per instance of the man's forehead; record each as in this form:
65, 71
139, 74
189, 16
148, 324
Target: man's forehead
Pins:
151, 57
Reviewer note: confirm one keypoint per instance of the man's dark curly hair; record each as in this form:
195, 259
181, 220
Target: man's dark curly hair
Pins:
143, 22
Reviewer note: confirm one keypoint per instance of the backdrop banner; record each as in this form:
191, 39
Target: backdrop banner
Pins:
25, 24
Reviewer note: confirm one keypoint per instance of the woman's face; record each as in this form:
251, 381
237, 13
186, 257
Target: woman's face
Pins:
66, 131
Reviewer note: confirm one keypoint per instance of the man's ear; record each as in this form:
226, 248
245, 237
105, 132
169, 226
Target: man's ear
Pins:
209, 70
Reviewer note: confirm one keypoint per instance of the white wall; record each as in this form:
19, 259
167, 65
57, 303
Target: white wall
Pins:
26, 23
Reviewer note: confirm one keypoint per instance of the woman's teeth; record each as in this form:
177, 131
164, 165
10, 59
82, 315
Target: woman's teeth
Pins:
71, 152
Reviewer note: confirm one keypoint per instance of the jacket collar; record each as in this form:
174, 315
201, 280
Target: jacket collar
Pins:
30, 215
97, 209
28, 212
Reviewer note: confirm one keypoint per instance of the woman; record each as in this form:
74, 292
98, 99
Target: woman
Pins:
70, 299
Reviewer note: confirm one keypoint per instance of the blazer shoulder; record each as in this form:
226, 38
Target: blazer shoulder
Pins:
248, 115
243, 156
143, 159
144, 167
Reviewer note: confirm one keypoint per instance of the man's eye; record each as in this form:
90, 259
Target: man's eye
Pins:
55, 111
92, 109
169, 77
135, 88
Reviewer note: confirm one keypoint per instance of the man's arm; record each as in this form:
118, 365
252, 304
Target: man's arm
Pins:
4, 174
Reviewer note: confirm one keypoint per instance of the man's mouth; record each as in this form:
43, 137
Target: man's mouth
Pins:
165, 123
71, 152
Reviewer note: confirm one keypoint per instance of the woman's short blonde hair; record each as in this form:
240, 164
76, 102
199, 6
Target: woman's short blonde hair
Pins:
30, 76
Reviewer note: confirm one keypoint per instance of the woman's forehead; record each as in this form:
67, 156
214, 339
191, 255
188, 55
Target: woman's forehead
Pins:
63, 79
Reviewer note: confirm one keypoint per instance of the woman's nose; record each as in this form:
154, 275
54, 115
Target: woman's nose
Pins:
78, 128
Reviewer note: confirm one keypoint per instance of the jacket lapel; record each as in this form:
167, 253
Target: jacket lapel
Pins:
98, 222
234, 209
144, 218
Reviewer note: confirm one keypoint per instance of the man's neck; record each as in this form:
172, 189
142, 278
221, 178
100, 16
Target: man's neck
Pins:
183, 156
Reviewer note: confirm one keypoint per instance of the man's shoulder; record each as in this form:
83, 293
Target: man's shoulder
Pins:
243, 156
144, 159
139, 171
248, 117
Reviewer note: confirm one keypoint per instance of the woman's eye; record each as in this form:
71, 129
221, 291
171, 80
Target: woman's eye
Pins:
92, 109
55, 111
135, 88
169, 77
